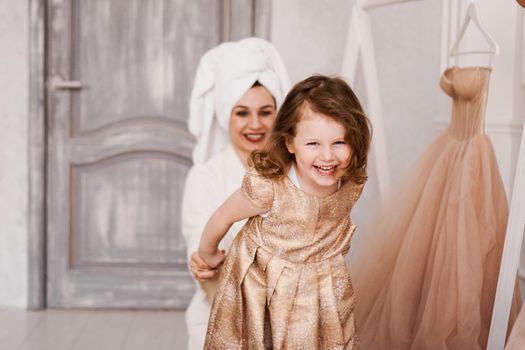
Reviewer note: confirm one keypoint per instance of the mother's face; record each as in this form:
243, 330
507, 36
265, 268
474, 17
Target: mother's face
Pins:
251, 121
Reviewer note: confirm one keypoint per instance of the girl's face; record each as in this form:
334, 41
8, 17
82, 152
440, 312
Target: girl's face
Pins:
321, 153
251, 121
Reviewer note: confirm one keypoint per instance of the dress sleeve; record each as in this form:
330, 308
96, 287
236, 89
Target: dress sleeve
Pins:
358, 190
258, 189
352, 192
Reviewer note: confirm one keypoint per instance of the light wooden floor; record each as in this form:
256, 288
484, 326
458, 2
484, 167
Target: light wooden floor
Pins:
93, 330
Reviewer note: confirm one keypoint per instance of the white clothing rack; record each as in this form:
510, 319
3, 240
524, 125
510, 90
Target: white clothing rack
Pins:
511, 256
359, 43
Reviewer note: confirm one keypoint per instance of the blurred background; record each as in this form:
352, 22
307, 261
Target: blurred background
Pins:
94, 146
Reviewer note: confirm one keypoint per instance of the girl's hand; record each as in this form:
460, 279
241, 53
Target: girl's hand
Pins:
201, 271
213, 260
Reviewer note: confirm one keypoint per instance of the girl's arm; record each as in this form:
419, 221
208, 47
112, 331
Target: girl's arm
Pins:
237, 207
202, 195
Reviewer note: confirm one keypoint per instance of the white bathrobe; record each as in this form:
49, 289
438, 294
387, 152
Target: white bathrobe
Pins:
207, 186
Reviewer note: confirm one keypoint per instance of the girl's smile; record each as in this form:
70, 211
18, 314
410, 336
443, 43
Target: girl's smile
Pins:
325, 170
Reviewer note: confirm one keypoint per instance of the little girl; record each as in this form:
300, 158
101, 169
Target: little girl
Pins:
285, 283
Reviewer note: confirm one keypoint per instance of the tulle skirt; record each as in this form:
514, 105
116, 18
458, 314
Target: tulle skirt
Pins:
425, 277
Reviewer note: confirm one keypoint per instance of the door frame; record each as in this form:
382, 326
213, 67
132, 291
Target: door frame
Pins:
37, 258
37, 133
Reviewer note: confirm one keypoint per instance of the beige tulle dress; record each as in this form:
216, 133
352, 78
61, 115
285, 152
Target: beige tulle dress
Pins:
517, 337
285, 284
425, 277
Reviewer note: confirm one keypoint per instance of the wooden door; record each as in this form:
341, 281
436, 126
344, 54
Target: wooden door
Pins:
119, 79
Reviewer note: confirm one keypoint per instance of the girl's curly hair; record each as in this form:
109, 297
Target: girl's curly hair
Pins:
332, 97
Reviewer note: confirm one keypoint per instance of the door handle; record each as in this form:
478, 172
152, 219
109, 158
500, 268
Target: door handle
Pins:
58, 84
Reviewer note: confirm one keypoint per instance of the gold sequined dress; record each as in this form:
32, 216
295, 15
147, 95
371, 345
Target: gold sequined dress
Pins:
285, 284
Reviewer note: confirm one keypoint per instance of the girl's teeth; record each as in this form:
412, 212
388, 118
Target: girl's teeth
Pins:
325, 169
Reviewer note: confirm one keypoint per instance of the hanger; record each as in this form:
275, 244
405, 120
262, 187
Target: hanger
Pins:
473, 16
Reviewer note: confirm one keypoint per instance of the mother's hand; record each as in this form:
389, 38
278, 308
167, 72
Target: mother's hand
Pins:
201, 271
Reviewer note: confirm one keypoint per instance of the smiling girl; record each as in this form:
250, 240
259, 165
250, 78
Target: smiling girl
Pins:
285, 283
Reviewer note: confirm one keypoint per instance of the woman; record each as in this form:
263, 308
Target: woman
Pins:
237, 90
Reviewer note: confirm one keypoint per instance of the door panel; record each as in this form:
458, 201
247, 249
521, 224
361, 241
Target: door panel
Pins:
118, 146
112, 213
150, 47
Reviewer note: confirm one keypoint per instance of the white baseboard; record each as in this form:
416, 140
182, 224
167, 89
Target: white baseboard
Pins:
508, 126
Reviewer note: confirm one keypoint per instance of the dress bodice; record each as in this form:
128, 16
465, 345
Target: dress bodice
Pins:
300, 227
468, 87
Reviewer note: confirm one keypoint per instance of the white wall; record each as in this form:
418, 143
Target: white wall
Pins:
407, 46
310, 35
13, 151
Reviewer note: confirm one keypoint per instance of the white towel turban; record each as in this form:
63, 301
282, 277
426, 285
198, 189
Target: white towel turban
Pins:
224, 74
